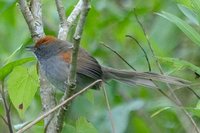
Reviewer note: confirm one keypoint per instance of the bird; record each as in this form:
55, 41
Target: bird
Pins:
55, 57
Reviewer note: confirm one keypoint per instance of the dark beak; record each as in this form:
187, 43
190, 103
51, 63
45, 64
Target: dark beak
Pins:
30, 48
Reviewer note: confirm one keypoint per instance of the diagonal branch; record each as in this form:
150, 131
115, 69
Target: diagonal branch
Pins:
28, 126
63, 27
66, 23
74, 14
8, 120
118, 56
145, 53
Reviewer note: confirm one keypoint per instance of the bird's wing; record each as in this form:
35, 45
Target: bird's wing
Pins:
88, 66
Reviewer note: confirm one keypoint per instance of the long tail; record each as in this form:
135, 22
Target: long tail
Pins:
140, 78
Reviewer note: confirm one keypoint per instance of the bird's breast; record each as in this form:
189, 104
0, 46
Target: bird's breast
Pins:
56, 71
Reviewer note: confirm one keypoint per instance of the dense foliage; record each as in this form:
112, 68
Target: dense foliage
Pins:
172, 27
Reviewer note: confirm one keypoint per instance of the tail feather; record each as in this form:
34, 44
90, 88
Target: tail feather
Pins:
140, 78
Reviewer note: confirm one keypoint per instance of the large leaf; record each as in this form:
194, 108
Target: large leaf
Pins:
5, 70
186, 28
196, 111
82, 126
181, 64
22, 86
69, 129
196, 6
189, 14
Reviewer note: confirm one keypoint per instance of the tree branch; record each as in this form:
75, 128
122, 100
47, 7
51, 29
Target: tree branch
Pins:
6, 108
109, 110
72, 77
33, 16
36, 10
145, 53
124, 60
48, 102
65, 24
35, 26
28, 126
74, 14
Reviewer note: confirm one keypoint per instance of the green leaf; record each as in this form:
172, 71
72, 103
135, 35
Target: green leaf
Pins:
22, 86
14, 53
186, 28
196, 111
189, 14
90, 96
196, 6
140, 125
69, 129
5, 70
83, 126
180, 63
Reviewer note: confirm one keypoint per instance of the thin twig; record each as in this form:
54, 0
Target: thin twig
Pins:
7, 109
109, 110
147, 38
73, 15
163, 93
190, 89
4, 119
178, 102
63, 26
160, 90
57, 107
145, 54
118, 55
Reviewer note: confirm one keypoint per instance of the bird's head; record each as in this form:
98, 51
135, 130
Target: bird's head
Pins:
49, 46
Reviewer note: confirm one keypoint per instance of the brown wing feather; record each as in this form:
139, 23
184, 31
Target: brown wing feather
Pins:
88, 66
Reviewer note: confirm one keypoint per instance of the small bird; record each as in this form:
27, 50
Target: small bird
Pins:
55, 57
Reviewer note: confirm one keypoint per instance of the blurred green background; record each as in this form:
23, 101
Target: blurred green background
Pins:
135, 109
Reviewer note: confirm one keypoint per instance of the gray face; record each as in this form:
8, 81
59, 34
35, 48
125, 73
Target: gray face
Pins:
46, 51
